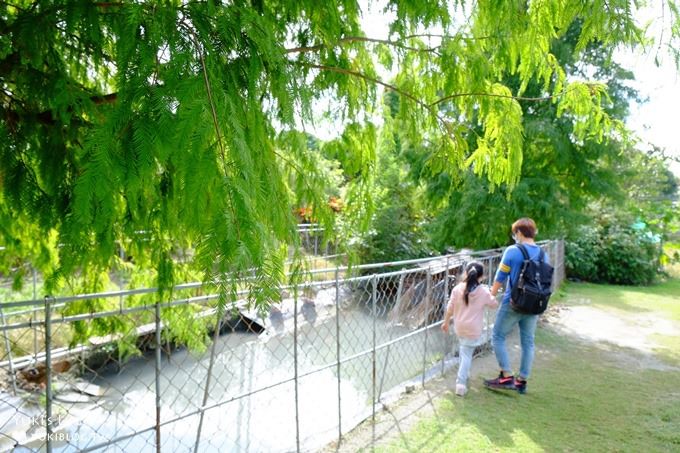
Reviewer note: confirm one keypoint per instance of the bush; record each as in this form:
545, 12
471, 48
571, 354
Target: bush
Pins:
613, 253
581, 253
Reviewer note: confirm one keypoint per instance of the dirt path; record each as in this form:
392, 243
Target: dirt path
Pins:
632, 331
582, 321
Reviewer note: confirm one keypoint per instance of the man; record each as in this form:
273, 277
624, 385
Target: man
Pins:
523, 232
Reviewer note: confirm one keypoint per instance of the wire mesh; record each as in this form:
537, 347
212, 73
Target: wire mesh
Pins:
318, 362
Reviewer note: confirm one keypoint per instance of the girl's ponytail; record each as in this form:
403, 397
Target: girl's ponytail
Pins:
473, 271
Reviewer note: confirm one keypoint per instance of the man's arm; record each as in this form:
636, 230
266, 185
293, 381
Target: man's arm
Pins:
496, 286
503, 271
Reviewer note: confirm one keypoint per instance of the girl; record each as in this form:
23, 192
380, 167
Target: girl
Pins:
466, 305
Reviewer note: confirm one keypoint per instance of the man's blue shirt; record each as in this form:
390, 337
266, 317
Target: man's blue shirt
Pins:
511, 263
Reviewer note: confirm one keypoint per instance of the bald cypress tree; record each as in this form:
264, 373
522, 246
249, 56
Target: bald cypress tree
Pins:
182, 119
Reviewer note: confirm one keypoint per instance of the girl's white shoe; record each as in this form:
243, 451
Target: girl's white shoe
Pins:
461, 390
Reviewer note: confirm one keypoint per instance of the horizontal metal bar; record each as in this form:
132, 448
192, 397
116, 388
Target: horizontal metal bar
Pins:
124, 311
189, 300
197, 299
20, 362
39, 303
193, 285
35, 309
103, 295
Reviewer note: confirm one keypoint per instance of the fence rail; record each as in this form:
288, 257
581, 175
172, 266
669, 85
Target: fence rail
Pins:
296, 378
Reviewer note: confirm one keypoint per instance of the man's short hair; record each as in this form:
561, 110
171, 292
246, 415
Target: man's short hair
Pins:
526, 226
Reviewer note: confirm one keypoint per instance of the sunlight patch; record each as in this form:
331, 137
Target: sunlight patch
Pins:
524, 442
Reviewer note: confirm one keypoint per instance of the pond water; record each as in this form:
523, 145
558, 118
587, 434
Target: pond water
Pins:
252, 398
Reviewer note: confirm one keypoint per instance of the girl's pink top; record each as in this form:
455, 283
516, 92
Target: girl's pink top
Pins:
468, 319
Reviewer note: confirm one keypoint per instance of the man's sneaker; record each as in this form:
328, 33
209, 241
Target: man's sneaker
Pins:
461, 390
521, 386
501, 382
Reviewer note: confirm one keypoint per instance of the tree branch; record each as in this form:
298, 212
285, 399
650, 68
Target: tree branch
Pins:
105, 99
442, 121
206, 81
369, 79
45, 117
108, 4
494, 95
464, 38
12, 5
213, 111
363, 39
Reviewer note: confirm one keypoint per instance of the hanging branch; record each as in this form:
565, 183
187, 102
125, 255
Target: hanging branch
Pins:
206, 80
367, 78
464, 38
430, 107
349, 39
443, 123
494, 95
213, 111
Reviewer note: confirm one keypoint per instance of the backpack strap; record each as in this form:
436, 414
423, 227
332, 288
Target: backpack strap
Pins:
523, 249
526, 257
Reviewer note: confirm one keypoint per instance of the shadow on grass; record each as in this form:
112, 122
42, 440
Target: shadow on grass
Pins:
597, 397
396, 421
583, 396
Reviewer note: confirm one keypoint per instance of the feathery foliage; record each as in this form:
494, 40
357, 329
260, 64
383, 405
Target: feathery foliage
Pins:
179, 119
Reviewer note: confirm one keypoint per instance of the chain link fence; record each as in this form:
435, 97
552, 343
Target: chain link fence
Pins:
320, 361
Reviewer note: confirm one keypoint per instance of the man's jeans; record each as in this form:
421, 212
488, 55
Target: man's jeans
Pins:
506, 318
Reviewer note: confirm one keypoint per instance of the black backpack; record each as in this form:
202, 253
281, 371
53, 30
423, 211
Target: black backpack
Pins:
532, 291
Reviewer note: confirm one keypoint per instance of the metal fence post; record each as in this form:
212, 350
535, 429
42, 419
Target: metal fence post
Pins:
5, 334
560, 252
48, 371
337, 351
553, 260
374, 296
35, 283
428, 299
35, 297
563, 274
158, 375
35, 339
446, 305
206, 391
295, 364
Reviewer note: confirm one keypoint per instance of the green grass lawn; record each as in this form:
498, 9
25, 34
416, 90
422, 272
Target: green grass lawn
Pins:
583, 396
663, 298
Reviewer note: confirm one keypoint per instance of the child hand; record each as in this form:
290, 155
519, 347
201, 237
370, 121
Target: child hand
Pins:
445, 327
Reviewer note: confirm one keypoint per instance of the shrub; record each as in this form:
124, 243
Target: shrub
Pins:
613, 253
581, 253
